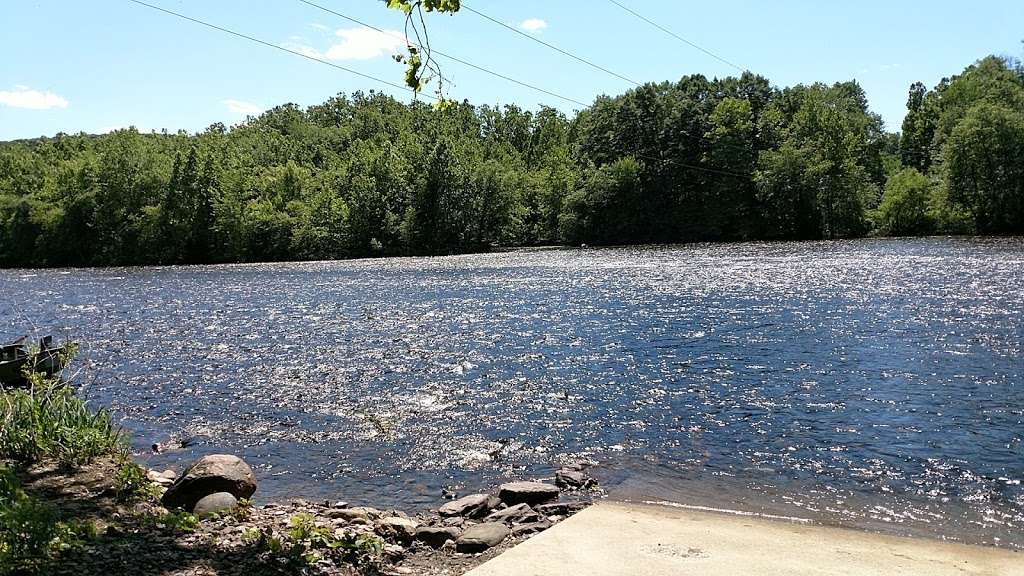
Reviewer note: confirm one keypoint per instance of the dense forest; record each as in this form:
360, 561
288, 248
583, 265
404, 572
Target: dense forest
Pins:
366, 175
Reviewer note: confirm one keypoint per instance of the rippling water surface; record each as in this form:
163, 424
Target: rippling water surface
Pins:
876, 384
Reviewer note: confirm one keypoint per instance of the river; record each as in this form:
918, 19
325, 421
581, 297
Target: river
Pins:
877, 384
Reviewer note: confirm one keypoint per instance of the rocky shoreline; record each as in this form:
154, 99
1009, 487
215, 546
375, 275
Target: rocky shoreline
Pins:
200, 523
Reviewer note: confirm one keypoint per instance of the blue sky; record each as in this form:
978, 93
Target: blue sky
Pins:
94, 66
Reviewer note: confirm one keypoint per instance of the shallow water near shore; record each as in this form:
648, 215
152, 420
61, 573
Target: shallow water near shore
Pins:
876, 384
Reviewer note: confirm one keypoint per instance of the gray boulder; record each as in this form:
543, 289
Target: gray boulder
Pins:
209, 475
527, 493
480, 537
436, 536
216, 503
472, 506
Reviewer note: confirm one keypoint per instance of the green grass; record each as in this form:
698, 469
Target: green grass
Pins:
47, 421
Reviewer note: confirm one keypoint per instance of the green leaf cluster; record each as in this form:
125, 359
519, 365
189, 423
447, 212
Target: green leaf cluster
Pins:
305, 543
47, 421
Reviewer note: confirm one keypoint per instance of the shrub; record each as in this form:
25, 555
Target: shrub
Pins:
904, 207
173, 522
48, 421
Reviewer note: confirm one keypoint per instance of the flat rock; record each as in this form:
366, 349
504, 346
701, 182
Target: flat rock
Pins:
472, 506
371, 513
347, 514
456, 521
397, 528
560, 508
518, 514
527, 493
215, 503
532, 527
436, 536
209, 475
480, 537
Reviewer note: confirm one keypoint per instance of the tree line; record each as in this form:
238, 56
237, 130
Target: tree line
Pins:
366, 175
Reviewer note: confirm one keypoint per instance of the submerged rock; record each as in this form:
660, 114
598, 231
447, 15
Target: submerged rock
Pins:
215, 503
480, 537
472, 506
573, 479
527, 493
209, 475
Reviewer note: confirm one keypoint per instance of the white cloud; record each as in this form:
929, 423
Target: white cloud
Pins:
365, 44
356, 44
304, 50
243, 108
23, 97
533, 24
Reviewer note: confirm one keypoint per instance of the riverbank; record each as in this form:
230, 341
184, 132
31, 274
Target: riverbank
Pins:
610, 539
141, 536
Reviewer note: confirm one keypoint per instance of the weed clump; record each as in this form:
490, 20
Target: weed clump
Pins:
47, 421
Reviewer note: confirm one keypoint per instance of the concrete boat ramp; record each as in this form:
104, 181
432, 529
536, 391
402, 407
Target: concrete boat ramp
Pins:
640, 540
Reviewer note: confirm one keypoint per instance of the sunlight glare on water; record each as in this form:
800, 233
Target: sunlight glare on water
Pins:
870, 383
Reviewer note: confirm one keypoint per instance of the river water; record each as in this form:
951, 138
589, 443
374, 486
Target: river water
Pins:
873, 383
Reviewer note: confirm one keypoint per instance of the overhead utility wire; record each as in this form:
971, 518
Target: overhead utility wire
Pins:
275, 46
552, 46
448, 56
676, 36
375, 79
589, 63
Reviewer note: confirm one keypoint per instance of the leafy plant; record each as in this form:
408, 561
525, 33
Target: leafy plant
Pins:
31, 532
304, 543
131, 483
47, 420
173, 522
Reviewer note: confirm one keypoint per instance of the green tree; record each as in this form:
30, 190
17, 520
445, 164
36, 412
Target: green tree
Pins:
905, 210
983, 171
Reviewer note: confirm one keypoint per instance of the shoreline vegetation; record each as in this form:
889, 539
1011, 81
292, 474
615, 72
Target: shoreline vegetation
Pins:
73, 501
697, 160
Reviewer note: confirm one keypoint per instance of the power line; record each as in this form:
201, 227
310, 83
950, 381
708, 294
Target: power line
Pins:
676, 36
392, 84
449, 56
275, 46
551, 46
589, 63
